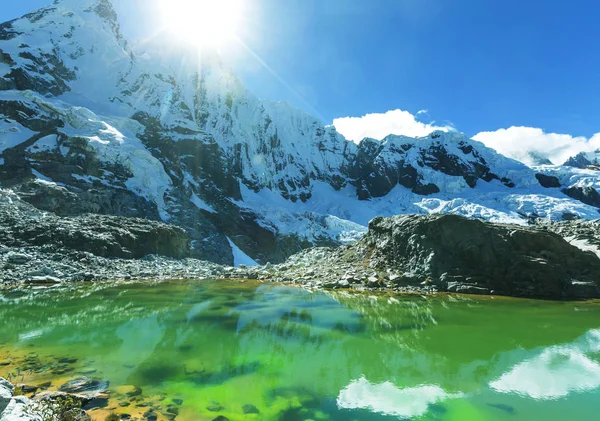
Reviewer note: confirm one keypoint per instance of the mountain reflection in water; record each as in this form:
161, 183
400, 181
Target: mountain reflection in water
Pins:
294, 354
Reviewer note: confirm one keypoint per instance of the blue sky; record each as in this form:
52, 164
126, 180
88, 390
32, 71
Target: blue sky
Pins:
475, 64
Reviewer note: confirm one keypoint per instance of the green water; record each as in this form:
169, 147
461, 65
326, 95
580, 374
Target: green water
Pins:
297, 355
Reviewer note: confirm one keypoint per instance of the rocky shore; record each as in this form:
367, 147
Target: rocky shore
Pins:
43, 406
449, 253
406, 253
81, 399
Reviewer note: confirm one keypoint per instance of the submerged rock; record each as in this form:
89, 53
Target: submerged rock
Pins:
84, 385
26, 389
250, 409
150, 415
215, 407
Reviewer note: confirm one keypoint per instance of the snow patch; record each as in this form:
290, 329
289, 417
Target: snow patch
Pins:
201, 204
583, 245
90, 179
40, 178
4, 69
239, 257
45, 144
12, 134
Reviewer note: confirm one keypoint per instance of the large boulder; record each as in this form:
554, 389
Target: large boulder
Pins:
467, 255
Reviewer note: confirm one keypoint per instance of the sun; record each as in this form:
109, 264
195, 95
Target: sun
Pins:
205, 23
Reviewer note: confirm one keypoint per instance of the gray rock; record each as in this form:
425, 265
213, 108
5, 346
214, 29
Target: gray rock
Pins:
18, 258
511, 260
15, 408
43, 280
84, 385
466, 288
23, 225
6, 393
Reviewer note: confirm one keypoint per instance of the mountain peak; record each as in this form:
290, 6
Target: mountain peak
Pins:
82, 4
102, 8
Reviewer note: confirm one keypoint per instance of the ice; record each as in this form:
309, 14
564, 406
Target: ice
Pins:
239, 257
201, 204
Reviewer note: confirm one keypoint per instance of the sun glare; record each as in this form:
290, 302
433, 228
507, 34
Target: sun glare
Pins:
207, 23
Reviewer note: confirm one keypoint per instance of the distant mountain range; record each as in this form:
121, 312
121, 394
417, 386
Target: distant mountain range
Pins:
90, 123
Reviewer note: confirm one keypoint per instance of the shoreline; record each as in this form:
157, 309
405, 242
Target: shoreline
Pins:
362, 290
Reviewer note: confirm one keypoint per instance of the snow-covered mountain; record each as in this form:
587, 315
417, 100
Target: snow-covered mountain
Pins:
585, 160
90, 123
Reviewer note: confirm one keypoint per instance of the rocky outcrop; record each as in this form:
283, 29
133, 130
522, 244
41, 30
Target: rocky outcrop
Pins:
42, 407
410, 253
451, 251
587, 195
454, 254
15, 408
548, 181
22, 225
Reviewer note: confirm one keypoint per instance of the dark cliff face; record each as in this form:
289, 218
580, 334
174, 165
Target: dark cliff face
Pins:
378, 167
587, 195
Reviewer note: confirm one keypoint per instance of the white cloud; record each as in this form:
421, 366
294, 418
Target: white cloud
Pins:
525, 144
557, 372
386, 398
378, 126
520, 142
